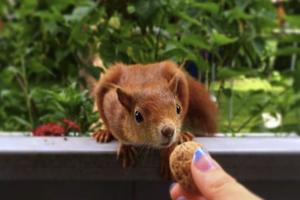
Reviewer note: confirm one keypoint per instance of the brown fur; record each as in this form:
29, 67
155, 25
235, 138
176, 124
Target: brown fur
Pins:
154, 90
201, 118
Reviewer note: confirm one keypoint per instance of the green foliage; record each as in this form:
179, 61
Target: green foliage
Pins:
65, 103
44, 44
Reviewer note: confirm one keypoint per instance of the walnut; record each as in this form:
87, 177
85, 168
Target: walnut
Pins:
180, 164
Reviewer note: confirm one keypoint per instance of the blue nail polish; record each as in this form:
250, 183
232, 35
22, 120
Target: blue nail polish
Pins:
198, 154
171, 186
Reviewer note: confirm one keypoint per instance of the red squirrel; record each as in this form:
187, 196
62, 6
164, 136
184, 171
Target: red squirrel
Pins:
154, 105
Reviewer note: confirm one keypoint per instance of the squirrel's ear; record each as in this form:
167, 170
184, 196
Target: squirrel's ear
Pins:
174, 84
125, 99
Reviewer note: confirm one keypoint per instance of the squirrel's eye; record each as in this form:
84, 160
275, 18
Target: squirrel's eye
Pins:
178, 109
138, 117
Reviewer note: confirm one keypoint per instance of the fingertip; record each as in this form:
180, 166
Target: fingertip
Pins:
178, 193
175, 191
171, 186
203, 161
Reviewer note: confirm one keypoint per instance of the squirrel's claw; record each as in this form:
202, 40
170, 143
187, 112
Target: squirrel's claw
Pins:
127, 155
185, 137
165, 170
103, 136
164, 162
165, 154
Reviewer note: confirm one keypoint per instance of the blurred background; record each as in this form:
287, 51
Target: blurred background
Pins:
246, 51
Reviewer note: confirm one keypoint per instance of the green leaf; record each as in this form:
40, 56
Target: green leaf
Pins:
188, 18
79, 13
228, 73
191, 55
130, 9
35, 66
196, 40
237, 13
27, 6
8, 74
289, 50
207, 6
61, 5
200, 62
114, 22
221, 39
173, 50
78, 35
22, 121
296, 83
147, 10
14, 70
293, 20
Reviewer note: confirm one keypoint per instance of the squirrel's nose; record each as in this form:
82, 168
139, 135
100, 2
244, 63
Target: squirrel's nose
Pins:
167, 131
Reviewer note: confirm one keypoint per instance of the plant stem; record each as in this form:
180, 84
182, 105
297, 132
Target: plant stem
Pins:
263, 107
26, 93
158, 39
293, 58
230, 106
221, 87
245, 123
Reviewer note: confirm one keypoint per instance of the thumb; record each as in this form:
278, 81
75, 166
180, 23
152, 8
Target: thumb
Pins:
213, 182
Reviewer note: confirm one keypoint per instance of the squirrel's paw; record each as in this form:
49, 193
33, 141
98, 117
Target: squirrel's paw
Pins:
127, 155
103, 136
185, 137
164, 162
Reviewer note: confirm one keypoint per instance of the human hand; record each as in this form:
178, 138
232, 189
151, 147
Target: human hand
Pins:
211, 181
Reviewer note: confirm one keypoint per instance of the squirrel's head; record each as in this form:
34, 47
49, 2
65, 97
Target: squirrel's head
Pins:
155, 114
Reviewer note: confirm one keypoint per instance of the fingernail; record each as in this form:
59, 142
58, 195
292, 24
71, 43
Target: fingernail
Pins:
202, 160
181, 198
171, 186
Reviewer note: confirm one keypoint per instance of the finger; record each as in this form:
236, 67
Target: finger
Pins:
213, 182
178, 193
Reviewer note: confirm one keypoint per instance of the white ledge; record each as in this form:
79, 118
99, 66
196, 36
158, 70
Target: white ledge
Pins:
215, 145
81, 158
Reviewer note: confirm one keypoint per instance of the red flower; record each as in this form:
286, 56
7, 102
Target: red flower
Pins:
49, 129
71, 125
